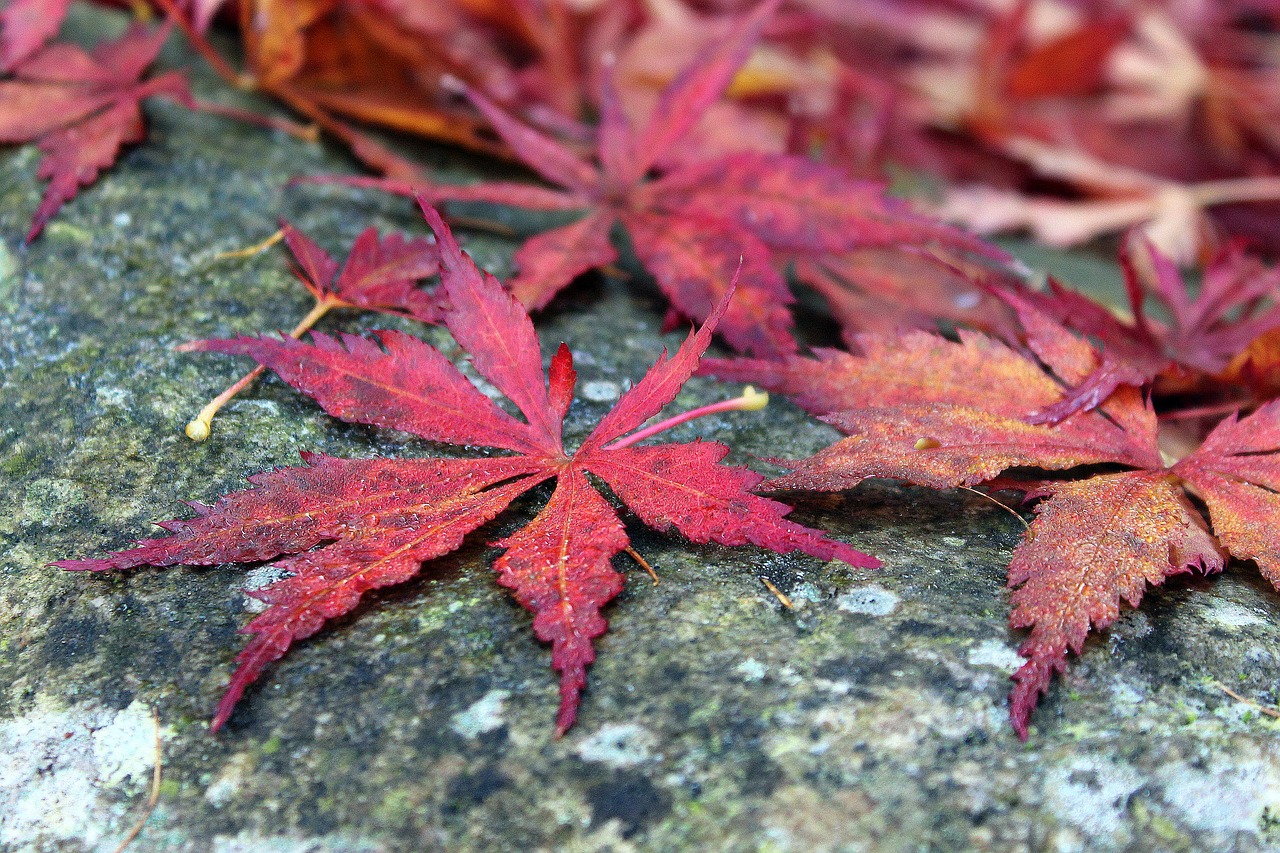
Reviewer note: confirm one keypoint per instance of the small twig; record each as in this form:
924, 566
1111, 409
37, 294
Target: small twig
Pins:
477, 223
1004, 507
1270, 712
644, 564
221, 67
778, 594
250, 251
154, 796
304, 132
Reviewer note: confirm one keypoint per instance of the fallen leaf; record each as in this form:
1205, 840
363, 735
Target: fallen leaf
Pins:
81, 108
1235, 304
348, 526
25, 26
943, 413
698, 224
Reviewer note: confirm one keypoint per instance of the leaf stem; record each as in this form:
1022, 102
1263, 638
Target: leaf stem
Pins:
1270, 712
782, 597
241, 80
304, 132
154, 796
250, 251
750, 401
1236, 190
643, 563
1216, 410
202, 425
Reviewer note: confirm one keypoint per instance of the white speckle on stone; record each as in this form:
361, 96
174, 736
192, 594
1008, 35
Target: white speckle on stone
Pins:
1227, 614
1126, 694
108, 395
222, 789
251, 842
751, 670
954, 541
618, 745
260, 578
55, 763
805, 593
1258, 655
601, 391
125, 748
1228, 796
873, 600
788, 676
1091, 795
265, 407
484, 715
839, 687
997, 654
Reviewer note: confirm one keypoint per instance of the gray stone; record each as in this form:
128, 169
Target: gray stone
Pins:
714, 720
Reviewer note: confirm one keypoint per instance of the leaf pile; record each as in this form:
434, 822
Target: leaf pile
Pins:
699, 224
1069, 120
745, 154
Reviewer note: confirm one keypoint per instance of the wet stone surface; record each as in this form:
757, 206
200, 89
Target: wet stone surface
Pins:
870, 717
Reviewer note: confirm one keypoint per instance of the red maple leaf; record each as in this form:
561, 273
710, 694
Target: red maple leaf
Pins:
1235, 304
884, 290
942, 414
25, 25
378, 274
699, 224
82, 107
377, 520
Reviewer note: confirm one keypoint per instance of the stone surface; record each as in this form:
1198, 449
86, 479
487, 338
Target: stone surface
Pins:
870, 717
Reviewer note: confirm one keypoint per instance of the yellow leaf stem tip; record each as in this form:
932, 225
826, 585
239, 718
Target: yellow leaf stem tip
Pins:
753, 400
750, 401
198, 429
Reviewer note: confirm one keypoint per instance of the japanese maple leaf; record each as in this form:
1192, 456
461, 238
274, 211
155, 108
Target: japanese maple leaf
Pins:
25, 26
377, 520
378, 275
82, 107
943, 414
697, 224
884, 290
1236, 304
